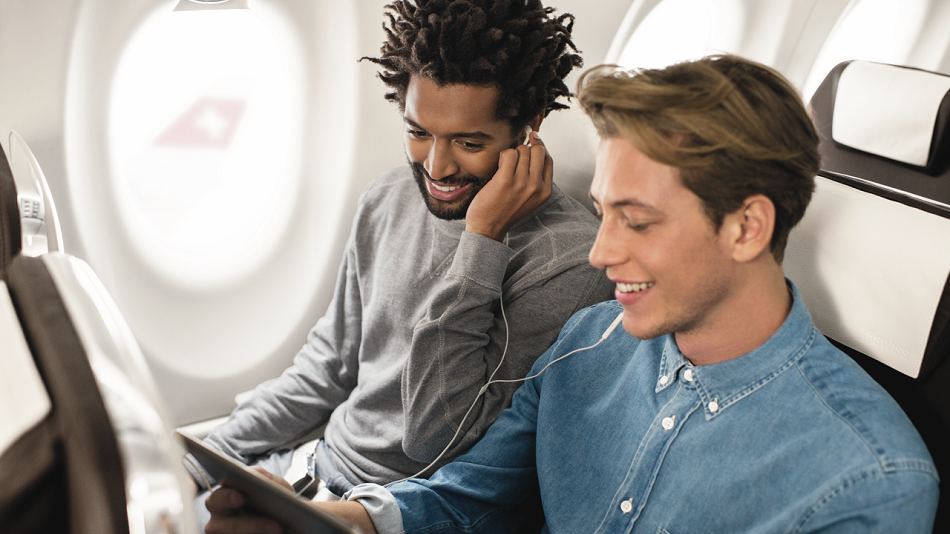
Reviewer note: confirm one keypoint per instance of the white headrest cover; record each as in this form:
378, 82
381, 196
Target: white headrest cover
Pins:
888, 111
870, 271
23, 398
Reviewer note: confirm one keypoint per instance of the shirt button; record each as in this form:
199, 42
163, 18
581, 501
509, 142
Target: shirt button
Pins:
713, 406
664, 379
688, 375
627, 506
668, 422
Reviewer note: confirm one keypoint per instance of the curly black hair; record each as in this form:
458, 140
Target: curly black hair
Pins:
514, 45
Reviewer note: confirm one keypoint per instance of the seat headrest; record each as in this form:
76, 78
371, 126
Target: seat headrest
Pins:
870, 257
889, 111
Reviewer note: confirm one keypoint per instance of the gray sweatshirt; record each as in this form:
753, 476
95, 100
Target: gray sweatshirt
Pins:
415, 329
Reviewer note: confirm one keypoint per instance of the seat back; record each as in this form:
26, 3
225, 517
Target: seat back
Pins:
9, 215
28, 219
104, 452
871, 257
30, 466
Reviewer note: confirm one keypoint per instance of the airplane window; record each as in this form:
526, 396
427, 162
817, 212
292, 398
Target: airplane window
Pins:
872, 30
678, 30
204, 130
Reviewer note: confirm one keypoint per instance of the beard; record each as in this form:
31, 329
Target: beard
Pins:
447, 210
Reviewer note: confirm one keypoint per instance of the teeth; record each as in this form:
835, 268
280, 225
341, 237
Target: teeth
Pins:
445, 188
633, 288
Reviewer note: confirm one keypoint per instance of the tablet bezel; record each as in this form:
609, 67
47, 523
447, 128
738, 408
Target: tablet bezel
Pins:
263, 496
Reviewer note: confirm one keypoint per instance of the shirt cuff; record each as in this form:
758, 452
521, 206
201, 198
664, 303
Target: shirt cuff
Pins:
202, 477
481, 259
380, 505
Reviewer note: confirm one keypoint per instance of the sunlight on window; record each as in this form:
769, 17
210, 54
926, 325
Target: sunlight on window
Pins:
204, 134
679, 30
874, 30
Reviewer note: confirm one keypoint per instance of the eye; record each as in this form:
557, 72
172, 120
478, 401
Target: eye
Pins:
418, 134
470, 146
639, 227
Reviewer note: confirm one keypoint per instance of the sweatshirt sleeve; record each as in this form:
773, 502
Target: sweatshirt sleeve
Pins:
301, 399
459, 344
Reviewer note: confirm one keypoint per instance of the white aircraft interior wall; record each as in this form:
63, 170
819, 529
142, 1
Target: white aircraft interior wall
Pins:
224, 326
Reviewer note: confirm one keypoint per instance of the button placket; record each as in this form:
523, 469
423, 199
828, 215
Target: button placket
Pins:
641, 475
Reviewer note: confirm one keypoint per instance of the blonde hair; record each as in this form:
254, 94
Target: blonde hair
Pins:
733, 127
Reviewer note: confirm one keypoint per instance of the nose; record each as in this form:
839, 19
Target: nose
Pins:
607, 250
440, 162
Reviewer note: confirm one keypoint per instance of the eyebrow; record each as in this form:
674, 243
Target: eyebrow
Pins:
468, 135
624, 203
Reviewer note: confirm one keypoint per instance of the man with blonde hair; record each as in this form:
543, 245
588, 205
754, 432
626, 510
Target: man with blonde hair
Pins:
718, 407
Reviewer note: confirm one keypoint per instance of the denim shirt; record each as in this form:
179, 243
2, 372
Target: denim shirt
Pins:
631, 437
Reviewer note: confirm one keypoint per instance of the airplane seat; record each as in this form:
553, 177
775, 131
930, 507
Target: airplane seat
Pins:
871, 256
28, 459
28, 219
9, 215
100, 458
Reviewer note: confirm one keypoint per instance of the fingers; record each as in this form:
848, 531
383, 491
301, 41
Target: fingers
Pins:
274, 478
525, 163
228, 517
541, 164
224, 501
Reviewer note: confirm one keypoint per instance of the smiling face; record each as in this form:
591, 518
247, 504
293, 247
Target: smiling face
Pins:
452, 141
674, 272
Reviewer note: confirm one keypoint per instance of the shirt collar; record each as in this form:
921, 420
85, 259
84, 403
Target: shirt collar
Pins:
721, 385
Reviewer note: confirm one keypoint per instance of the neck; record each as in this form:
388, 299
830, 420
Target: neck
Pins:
746, 319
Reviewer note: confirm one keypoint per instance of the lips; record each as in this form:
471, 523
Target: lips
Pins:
446, 192
628, 294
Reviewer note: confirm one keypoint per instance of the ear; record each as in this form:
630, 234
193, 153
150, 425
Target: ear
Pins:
535, 123
751, 228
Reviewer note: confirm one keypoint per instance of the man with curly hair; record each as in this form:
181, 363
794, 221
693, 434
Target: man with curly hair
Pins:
436, 298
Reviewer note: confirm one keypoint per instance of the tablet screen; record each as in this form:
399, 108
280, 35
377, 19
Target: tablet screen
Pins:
263, 496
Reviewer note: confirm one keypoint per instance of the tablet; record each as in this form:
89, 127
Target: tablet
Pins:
263, 496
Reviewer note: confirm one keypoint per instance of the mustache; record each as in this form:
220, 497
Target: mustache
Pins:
448, 180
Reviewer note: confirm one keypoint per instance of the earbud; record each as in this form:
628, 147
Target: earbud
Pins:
527, 135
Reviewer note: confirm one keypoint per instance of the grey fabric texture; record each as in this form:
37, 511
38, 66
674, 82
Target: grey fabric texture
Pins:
415, 329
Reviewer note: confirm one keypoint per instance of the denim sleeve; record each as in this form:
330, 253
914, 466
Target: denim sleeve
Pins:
491, 488
900, 499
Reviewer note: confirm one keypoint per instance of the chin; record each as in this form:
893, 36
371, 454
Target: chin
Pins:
640, 330
448, 212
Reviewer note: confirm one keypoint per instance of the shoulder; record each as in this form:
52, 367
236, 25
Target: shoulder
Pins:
862, 405
555, 238
390, 201
391, 187
879, 458
565, 215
